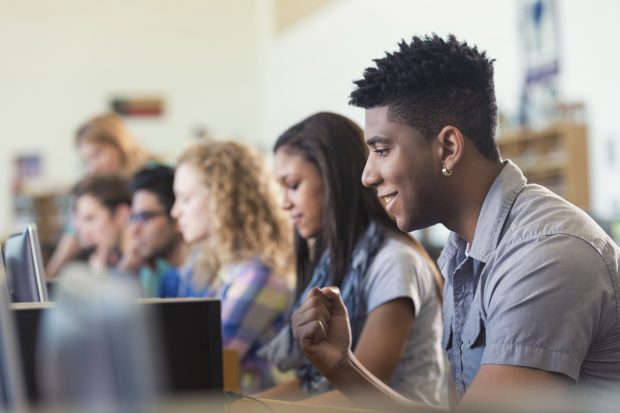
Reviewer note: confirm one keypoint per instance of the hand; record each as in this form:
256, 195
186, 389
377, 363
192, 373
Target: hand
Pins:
98, 260
321, 327
131, 261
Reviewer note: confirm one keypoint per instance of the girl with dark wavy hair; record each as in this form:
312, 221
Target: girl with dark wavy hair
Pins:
345, 238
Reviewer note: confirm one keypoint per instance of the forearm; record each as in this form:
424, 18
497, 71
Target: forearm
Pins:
68, 247
361, 386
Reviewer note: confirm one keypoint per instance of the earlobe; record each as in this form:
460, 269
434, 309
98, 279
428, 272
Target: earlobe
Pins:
451, 143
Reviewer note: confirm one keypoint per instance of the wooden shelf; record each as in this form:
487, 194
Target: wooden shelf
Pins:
556, 157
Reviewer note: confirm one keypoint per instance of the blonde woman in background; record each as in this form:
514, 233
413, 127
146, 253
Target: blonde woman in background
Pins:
105, 146
242, 247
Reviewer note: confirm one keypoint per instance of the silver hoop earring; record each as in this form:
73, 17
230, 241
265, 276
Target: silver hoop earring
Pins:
445, 171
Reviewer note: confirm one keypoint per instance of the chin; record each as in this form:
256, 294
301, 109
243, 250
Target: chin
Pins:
188, 238
305, 234
407, 225
400, 220
403, 226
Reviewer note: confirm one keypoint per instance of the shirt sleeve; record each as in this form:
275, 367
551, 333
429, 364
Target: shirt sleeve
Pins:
253, 300
545, 303
397, 271
169, 283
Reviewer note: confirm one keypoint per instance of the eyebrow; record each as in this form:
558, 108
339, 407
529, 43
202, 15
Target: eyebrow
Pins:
378, 139
284, 177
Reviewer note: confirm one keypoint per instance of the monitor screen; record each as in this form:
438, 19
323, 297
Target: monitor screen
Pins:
24, 266
11, 384
190, 340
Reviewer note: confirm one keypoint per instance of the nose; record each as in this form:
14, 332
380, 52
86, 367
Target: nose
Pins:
286, 201
174, 212
370, 176
134, 228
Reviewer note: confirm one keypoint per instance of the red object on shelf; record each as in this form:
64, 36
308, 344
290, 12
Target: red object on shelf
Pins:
139, 107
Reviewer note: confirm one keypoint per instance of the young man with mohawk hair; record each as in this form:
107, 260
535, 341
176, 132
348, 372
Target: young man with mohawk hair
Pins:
532, 282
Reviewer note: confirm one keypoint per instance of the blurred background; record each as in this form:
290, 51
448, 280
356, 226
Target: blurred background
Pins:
183, 70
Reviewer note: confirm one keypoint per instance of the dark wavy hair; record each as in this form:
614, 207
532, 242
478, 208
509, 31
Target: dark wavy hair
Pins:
431, 83
336, 146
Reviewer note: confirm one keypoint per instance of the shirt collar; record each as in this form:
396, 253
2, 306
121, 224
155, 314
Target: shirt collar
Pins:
493, 214
162, 265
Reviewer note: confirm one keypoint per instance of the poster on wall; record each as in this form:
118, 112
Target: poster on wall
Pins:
138, 106
27, 167
540, 45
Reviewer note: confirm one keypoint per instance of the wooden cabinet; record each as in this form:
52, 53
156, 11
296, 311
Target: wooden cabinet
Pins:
555, 157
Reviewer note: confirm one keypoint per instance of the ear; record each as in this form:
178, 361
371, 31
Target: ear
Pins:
121, 215
452, 146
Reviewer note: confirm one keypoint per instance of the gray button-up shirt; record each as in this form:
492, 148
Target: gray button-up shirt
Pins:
538, 288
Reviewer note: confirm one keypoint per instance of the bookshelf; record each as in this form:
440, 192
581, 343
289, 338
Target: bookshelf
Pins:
48, 209
555, 157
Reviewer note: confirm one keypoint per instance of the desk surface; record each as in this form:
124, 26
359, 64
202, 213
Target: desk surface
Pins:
201, 405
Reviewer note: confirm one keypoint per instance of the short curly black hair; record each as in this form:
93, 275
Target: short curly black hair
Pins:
431, 83
157, 179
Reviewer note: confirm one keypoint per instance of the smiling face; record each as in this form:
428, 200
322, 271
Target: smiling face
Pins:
191, 207
404, 168
303, 194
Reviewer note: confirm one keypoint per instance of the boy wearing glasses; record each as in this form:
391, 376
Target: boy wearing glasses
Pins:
157, 248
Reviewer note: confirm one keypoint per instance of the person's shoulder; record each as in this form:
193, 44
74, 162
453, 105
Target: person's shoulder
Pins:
397, 249
398, 259
257, 271
567, 258
539, 213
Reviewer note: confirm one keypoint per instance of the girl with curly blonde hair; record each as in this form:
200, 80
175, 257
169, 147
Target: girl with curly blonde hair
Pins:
243, 248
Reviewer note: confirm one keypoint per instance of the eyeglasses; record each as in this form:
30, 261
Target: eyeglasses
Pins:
144, 216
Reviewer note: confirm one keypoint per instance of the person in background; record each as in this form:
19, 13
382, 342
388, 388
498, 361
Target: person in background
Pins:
156, 249
344, 238
105, 146
101, 211
242, 247
532, 282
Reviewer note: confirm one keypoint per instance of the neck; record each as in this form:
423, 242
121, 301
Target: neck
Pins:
471, 191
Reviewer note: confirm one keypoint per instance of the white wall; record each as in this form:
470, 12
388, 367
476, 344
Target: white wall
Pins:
591, 58
313, 64
60, 62
219, 64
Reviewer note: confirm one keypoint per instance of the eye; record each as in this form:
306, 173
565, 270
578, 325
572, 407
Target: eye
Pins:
382, 151
292, 185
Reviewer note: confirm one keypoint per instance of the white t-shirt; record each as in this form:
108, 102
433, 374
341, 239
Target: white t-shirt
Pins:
398, 271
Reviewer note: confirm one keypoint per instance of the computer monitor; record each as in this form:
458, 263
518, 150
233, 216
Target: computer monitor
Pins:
24, 266
11, 382
190, 341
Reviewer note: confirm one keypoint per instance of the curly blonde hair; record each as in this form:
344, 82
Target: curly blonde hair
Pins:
109, 129
245, 220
